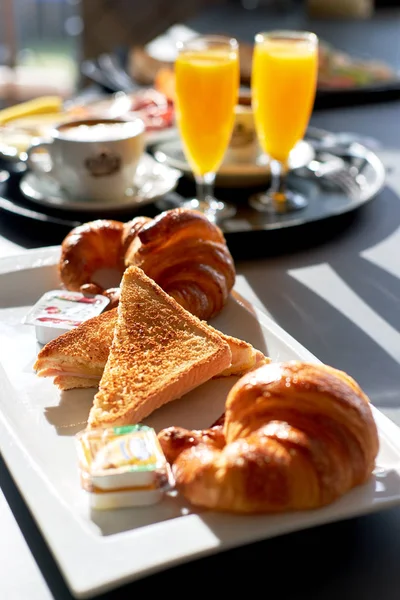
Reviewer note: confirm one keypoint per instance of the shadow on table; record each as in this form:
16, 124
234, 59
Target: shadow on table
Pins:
71, 414
308, 312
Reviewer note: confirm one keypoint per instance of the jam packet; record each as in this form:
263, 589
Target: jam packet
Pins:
59, 311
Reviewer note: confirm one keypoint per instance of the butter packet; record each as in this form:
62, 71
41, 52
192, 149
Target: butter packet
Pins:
122, 466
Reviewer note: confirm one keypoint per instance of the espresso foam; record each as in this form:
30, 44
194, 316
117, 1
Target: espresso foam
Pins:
100, 132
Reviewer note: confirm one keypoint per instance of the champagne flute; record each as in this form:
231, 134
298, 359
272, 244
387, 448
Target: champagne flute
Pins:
284, 80
207, 83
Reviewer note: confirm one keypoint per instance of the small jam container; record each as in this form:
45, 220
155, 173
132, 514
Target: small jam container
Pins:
122, 467
59, 311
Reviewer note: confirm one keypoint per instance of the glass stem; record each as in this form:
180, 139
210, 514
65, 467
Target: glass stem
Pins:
279, 173
205, 189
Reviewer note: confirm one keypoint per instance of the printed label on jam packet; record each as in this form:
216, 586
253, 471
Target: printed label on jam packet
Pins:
64, 310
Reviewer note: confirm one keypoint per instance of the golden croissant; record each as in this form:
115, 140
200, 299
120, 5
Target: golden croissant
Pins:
187, 256
180, 249
294, 436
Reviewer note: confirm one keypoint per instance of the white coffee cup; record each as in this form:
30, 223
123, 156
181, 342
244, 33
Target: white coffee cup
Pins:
243, 146
91, 159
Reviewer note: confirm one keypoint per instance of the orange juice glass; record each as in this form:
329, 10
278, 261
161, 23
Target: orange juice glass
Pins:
207, 82
284, 79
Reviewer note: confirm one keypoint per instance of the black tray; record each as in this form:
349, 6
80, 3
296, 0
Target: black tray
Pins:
249, 233
380, 92
340, 98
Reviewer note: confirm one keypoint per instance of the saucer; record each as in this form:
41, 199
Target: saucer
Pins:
234, 173
152, 181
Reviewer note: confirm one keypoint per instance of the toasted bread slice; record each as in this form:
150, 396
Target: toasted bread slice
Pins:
245, 357
79, 353
76, 359
159, 353
63, 382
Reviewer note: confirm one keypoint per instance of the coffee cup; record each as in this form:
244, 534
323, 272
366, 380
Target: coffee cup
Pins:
91, 159
243, 146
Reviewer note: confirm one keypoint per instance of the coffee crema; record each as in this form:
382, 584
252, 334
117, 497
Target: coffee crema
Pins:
100, 131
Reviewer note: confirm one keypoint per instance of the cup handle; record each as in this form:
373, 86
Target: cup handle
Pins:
34, 165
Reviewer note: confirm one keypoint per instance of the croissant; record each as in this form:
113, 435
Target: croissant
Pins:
88, 248
180, 249
294, 436
187, 256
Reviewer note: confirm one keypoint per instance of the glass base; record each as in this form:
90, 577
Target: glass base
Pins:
266, 202
215, 210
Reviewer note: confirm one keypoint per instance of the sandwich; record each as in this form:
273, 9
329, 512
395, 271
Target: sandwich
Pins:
159, 352
76, 359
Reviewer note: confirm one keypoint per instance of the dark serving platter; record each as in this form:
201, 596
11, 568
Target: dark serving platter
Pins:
341, 97
378, 92
248, 233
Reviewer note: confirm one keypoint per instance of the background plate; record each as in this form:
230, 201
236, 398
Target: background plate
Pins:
99, 551
379, 92
341, 97
232, 173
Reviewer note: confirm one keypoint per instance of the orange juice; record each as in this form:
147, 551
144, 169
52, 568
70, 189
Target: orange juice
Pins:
284, 79
206, 94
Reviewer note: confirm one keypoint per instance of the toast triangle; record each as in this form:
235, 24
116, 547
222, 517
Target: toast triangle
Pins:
78, 354
159, 353
76, 359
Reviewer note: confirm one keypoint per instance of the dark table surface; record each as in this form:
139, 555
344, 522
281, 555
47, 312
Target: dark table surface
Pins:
352, 322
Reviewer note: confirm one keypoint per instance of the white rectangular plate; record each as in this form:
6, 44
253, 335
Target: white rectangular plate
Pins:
100, 551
